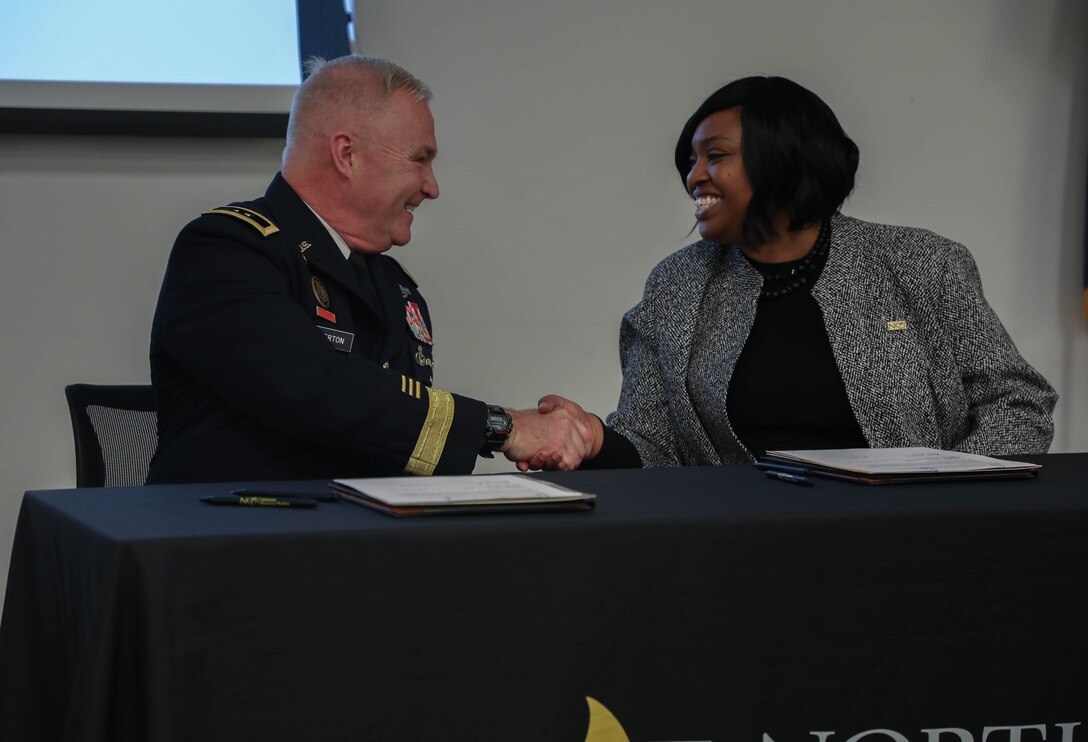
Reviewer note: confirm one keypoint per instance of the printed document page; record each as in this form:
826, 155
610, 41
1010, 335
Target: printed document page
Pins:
900, 460
453, 490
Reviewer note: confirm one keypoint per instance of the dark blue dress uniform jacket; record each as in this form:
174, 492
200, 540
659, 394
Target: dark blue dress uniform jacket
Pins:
269, 362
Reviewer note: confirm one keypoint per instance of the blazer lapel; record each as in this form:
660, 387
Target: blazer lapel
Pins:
860, 307
326, 257
676, 339
315, 243
392, 300
728, 308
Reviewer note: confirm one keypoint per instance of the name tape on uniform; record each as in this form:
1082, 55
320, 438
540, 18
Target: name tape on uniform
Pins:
338, 339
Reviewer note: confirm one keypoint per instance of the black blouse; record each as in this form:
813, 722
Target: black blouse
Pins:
786, 391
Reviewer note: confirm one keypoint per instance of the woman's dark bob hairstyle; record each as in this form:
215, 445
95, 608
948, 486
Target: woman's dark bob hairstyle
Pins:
796, 155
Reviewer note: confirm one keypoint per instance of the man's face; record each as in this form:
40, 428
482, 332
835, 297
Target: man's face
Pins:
391, 174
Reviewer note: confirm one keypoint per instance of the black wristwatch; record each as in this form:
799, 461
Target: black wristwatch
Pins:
498, 428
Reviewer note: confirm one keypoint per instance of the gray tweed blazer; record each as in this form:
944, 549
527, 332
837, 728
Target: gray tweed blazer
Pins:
925, 360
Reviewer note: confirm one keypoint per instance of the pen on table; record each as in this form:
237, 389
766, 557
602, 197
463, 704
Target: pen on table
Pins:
785, 476
776, 466
319, 496
259, 501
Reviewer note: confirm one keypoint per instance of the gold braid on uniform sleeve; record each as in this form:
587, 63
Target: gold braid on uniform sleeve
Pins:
432, 437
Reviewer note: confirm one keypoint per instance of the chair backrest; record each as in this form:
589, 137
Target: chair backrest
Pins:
116, 432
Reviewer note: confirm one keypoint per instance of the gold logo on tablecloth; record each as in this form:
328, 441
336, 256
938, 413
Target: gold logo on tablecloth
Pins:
603, 726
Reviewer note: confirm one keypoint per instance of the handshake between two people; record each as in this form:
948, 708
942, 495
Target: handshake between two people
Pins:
557, 435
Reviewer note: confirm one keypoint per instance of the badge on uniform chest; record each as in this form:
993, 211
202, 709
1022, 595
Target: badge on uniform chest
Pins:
322, 296
338, 339
416, 324
422, 359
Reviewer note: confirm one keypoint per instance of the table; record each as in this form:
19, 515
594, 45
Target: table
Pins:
692, 604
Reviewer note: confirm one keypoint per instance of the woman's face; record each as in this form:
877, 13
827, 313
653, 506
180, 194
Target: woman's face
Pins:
717, 180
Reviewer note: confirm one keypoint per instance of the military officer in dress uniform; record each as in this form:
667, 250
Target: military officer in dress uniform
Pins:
287, 345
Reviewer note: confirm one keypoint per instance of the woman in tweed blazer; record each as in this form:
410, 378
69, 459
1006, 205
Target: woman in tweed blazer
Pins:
792, 326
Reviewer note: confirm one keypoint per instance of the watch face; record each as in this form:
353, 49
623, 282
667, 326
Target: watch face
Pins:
500, 422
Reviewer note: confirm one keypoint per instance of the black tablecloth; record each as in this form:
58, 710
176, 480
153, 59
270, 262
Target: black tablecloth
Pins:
695, 604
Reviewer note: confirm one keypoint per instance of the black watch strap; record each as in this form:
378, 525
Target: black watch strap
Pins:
497, 429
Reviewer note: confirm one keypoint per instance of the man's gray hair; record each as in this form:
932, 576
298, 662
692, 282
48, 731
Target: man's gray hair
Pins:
346, 88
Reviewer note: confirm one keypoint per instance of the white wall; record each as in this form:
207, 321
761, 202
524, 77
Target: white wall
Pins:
556, 122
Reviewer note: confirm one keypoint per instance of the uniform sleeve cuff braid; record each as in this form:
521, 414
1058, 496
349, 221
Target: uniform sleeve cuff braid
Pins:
432, 436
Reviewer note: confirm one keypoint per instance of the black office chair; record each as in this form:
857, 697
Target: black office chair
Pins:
116, 432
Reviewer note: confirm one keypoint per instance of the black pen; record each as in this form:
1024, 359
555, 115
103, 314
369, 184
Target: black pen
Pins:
785, 476
776, 466
319, 496
261, 501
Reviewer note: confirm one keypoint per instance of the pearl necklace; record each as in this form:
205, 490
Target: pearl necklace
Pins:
798, 275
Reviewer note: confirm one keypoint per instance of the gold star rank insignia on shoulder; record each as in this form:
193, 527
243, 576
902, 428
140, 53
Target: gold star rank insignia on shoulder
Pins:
258, 221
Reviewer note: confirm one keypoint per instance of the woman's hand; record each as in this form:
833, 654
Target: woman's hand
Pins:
559, 440
593, 430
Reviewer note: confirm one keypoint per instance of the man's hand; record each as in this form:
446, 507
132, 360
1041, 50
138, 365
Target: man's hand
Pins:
554, 408
550, 403
560, 439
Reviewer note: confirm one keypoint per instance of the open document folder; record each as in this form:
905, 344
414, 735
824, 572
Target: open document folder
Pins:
403, 496
895, 465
